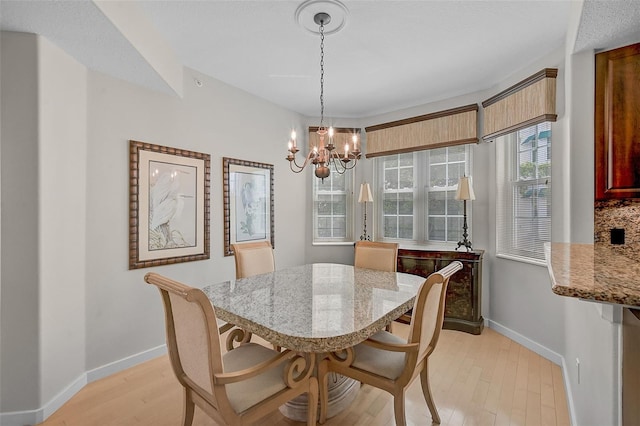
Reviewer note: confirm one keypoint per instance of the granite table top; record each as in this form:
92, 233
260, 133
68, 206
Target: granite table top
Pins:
317, 307
595, 272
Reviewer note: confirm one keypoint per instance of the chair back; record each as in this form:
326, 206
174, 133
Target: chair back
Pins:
253, 258
428, 310
376, 255
192, 335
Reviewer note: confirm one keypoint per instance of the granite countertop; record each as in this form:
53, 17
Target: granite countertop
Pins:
318, 307
596, 272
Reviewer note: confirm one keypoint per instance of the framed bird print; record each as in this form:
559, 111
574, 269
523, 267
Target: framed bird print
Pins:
168, 205
248, 202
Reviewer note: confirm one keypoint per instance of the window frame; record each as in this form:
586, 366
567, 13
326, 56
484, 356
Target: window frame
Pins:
349, 208
421, 191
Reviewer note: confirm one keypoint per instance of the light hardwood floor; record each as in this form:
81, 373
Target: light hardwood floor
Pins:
476, 380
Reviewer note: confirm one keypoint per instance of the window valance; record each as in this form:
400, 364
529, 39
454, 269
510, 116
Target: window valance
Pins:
529, 102
455, 126
341, 136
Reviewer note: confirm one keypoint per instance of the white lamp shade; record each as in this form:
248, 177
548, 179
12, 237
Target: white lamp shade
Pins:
465, 190
365, 193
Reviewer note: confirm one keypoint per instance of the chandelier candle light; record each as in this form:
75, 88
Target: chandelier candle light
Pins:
365, 197
324, 155
465, 192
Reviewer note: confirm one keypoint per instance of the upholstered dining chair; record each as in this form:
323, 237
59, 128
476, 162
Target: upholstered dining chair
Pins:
236, 388
391, 363
376, 255
253, 258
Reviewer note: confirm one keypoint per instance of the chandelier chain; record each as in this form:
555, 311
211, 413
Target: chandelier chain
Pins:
322, 75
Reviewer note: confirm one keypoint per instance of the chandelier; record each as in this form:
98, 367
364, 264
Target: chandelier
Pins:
324, 155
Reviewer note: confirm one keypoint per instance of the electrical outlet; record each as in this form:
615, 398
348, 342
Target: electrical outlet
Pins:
578, 368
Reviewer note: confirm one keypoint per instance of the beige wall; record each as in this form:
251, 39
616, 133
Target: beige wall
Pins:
215, 119
62, 116
71, 310
19, 316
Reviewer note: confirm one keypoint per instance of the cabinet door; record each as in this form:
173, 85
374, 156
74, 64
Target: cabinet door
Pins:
460, 292
617, 123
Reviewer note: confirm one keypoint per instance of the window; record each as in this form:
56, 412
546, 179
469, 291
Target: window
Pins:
523, 199
444, 212
332, 207
417, 195
397, 196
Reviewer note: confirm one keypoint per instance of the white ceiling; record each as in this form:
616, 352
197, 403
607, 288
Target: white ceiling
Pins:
389, 55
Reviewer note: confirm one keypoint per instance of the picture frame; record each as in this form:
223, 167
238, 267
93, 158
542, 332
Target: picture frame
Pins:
247, 192
169, 192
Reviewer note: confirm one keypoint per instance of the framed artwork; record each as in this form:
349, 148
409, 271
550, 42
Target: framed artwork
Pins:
248, 202
168, 205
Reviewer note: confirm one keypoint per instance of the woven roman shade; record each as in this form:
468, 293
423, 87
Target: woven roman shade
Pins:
455, 126
341, 136
529, 102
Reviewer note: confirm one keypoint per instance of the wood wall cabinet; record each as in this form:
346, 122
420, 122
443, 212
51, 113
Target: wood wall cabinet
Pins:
462, 309
617, 123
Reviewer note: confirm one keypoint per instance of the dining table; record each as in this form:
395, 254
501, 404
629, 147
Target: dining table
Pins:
316, 308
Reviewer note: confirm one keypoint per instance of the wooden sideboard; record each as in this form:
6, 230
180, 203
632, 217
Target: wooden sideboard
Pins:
464, 294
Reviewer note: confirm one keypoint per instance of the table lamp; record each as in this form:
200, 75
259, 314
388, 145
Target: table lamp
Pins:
464, 193
365, 196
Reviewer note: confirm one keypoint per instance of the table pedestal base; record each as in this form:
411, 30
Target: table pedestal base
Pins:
342, 391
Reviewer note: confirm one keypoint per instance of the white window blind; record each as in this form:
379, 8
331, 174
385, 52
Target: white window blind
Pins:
523, 198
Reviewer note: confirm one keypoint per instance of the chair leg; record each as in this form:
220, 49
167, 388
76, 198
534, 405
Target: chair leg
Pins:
188, 408
312, 409
426, 390
323, 390
398, 408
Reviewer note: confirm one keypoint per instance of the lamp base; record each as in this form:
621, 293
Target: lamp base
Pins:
465, 243
365, 236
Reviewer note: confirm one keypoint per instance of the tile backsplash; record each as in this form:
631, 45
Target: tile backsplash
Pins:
619, 214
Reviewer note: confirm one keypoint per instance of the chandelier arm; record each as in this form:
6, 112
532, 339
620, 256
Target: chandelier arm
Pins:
338, 165
298, 170
351, 163
308, 158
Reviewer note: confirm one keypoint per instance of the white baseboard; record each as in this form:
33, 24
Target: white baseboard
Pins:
544, 352
124, 363
32, 417
567, 387
63, 396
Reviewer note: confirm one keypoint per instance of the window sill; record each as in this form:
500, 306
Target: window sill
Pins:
523, 259
333, 243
